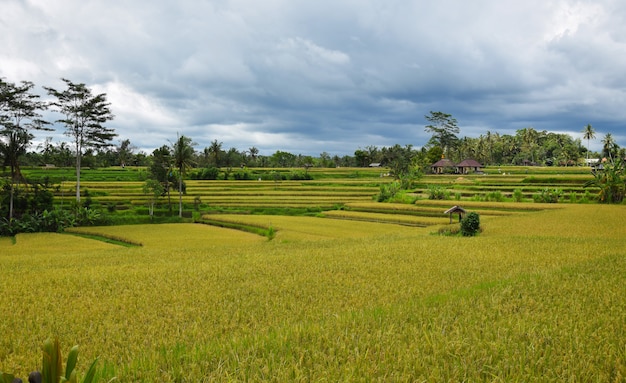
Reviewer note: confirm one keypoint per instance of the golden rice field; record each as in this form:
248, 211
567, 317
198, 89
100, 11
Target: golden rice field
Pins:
538, 296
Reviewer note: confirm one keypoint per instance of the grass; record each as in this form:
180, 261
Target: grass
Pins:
538, 296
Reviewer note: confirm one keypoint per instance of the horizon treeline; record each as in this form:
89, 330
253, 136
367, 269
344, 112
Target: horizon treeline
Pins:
527, 146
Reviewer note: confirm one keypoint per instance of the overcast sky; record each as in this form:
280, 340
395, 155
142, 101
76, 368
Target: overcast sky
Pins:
334, 76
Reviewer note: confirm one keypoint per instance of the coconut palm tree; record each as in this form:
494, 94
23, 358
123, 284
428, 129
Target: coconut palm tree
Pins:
588, 134
609, 145
183, 156
215, 150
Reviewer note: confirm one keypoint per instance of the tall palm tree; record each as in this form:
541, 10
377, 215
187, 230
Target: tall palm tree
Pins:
183, 156
588, 134
254, 153
215, 149
609, 145
529, 140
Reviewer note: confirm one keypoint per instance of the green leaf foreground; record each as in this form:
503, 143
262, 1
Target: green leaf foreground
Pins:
52, 367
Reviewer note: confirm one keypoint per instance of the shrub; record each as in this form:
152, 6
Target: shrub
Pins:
242, 175
470, 224
438, 192
388, 191
300, 176
548, 195
518, 196
205, 174
448, 231
494, 196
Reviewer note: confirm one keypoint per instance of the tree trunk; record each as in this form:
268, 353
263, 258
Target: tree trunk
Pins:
180, 195
78, 158
11, 202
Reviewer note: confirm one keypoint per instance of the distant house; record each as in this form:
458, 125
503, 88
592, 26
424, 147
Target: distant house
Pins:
468, 166
375, 165
442, 166
445, 166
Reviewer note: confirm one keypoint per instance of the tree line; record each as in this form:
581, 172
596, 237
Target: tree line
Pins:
84, 116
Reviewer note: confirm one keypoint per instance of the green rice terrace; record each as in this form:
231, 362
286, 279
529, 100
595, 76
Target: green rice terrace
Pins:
120, 191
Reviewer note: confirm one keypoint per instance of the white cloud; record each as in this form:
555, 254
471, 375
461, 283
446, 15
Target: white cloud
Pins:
309, 76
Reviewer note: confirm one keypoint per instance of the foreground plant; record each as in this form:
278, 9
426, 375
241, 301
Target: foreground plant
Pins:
52, 367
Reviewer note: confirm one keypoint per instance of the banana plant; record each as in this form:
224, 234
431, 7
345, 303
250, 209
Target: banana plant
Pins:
52, 367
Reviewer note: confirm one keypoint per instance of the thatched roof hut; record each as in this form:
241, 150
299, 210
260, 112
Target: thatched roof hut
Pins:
442, 166
455, 210
468, 166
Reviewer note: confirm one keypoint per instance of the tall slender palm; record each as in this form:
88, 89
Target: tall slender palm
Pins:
215, 149
254, 153
609, 145
183, 156
588, 134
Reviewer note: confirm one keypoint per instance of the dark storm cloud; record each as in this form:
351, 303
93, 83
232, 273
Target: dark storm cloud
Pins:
309, 77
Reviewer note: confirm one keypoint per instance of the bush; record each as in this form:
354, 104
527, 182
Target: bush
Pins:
438, 192
449, 230
300, 176
470, 224
242, 175
494, 196
518, 196
205, 174
548, 196
388, 191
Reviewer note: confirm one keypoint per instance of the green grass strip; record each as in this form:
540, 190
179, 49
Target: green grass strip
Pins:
104, 238
262, 231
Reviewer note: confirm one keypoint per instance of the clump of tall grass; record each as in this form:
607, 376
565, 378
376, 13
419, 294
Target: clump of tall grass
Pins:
548, 195
438, 192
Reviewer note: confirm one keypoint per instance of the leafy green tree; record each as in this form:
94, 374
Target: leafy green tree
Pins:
233, 158
15, 146
182, 156
125, 152
85, 116
161, 170
444, 131
20, 111
589, 134
283, 159
154, 189
401, 162
361, 158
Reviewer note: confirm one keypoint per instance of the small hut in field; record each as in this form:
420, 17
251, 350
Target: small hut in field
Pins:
455, 210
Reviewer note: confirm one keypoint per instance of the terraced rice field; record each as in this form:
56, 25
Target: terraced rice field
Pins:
538, 296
